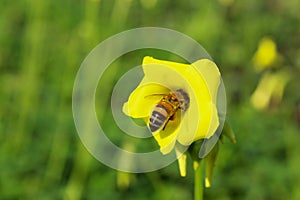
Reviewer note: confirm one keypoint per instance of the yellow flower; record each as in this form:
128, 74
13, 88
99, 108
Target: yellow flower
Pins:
200, 80
270, 89
266, 54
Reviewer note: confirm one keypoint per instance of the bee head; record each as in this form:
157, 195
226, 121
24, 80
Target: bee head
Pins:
183, 99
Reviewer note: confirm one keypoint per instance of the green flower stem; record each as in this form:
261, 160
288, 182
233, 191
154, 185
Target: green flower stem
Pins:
199, 182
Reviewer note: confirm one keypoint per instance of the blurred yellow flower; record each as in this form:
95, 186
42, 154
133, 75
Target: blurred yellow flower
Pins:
266, 54
270, 89
199, 80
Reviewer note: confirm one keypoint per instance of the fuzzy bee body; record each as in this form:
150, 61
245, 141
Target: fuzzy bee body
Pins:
166, 109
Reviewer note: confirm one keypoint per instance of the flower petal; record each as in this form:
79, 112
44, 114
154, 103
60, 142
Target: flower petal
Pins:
206, 128
181, 157
205, 98
211, 75
143, 99
166, 138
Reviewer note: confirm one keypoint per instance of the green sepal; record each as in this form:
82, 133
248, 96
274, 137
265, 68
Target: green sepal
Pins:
228, 132
194, 150
210, 163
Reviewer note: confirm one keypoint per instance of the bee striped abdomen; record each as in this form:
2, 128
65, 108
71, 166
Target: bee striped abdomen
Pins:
158, 118
165, 110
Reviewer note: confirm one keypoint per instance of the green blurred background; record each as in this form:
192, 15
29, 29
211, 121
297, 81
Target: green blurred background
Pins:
43, 44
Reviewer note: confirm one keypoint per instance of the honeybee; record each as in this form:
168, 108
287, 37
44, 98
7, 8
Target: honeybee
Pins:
166, 109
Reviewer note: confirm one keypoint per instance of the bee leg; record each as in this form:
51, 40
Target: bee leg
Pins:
165, 125
173, 117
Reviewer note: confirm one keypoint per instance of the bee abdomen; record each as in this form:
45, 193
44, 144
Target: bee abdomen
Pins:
158, 118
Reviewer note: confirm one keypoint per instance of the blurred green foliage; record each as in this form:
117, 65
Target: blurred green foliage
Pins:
42, 46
